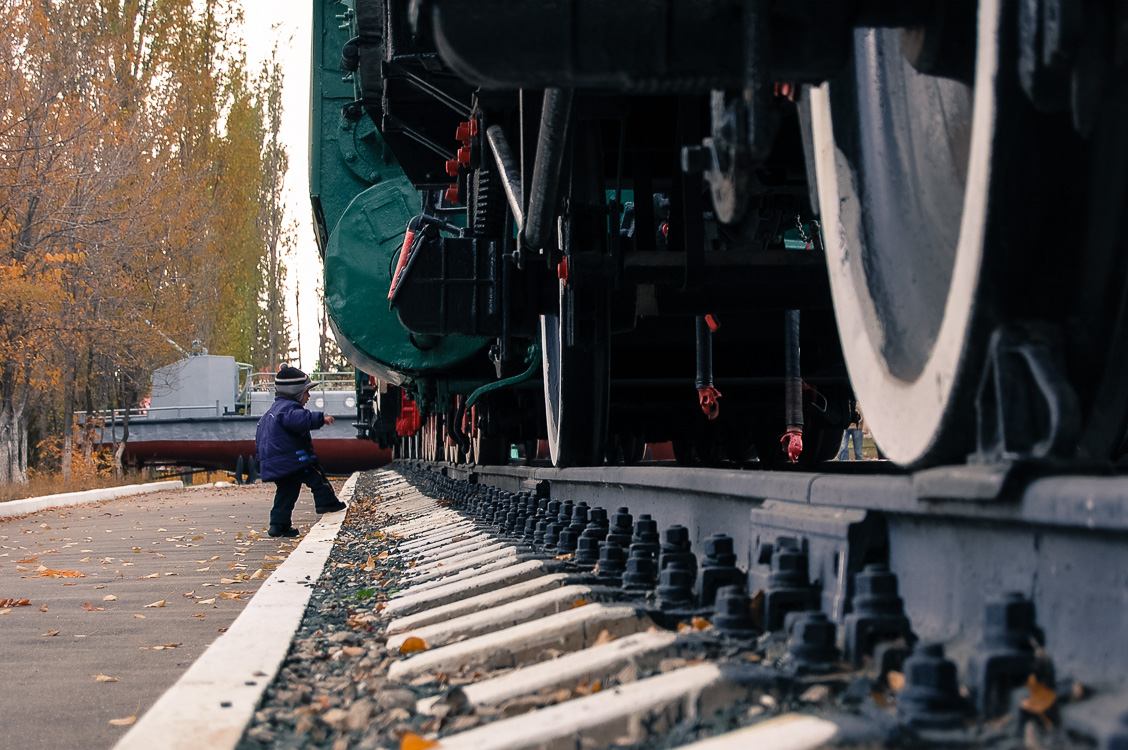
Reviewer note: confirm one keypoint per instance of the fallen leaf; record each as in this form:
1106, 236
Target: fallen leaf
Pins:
104, 678
567, 556
202, 614
140, 617
161, 603
579, 603
382, 556
48, 573
49, 633
206, 601
14, 602
412, 741
203, 570
274, 558
413, 644
1040, 698
604, 637
354, 650
28, 559
700, 623
42, 607
230, 595
152, 575
90, 608
109, 598
124, 722
258, 575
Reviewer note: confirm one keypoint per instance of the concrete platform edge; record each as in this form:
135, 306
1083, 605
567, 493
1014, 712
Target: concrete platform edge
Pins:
15, 508
210, 705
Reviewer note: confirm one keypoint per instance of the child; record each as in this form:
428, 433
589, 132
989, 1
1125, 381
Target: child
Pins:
285, 450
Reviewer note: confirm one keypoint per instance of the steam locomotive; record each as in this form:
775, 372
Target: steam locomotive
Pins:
722, 223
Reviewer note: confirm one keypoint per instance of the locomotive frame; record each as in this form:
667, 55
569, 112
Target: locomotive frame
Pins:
598, 185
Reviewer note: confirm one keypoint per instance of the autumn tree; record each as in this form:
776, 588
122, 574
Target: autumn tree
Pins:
131, 194
273, 337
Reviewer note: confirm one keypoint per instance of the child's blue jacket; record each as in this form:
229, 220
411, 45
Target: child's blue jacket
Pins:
283, 440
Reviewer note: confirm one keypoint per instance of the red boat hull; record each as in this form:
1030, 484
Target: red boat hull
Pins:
336, 456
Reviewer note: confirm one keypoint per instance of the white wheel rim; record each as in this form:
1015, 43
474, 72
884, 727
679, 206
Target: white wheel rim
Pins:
907, 421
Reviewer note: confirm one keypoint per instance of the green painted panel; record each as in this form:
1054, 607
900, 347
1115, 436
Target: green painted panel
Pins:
358, 266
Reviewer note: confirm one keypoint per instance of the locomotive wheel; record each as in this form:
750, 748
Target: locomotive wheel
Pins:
574, 342
936, 198
576, 388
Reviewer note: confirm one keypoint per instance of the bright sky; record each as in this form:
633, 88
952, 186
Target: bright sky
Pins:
288, 22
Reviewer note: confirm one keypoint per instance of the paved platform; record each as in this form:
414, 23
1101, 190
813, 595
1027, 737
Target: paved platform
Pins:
197, 550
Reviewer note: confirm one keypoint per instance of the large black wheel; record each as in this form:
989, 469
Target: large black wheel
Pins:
947, 207
574, 341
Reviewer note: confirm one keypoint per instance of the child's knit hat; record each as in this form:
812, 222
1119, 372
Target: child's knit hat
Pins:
292, 382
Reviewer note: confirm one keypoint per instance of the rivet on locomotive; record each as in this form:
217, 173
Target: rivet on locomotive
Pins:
717, 223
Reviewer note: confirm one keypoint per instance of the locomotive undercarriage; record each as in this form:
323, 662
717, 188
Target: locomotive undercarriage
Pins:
950, 153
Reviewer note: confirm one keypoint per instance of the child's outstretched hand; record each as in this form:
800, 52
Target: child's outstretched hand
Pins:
329, 419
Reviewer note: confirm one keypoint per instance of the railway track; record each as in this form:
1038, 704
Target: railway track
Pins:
668, 608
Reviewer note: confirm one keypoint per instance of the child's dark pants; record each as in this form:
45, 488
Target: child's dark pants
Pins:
287, 494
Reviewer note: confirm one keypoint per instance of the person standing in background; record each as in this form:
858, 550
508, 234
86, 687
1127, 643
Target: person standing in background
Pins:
853, 432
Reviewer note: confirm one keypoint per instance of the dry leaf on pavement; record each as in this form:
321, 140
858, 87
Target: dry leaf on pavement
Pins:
49, 573
127, 720
161, 603
104, 678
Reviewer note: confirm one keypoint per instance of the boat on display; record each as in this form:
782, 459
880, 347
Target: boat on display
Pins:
204, 409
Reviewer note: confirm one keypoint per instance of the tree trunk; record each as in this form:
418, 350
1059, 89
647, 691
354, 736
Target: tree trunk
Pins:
13, 437
68, 416
130, 396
